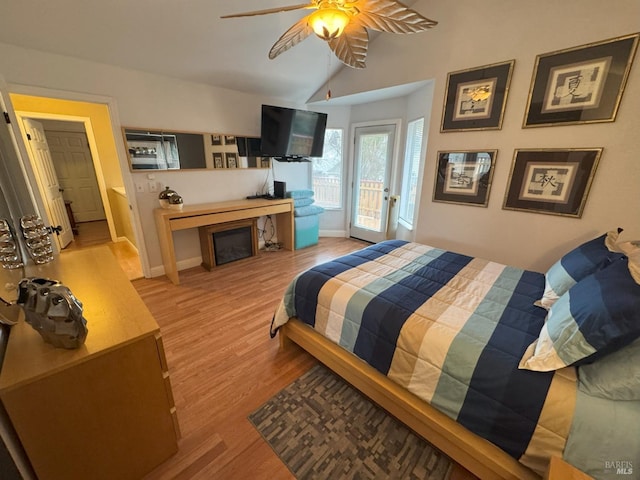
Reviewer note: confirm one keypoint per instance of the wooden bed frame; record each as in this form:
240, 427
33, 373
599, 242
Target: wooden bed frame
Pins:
474, 453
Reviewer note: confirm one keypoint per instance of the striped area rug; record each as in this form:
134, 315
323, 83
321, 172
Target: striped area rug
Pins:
323, 428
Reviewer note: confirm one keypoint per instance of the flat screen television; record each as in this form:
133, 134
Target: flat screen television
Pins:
291, 134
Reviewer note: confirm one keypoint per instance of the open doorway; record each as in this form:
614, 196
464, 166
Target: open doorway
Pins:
102, 215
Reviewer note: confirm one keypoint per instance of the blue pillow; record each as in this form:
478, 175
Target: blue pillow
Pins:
308, 210
578, 264
302, 202
299, 194
597, 316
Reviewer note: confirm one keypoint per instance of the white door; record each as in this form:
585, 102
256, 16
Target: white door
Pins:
77, 176
373, 158
48, 181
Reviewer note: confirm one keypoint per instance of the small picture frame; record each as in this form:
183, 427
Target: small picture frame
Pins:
580, 85
464, 177
218, 160
216, 139
231, 159
229, 139
551, 181
476, 98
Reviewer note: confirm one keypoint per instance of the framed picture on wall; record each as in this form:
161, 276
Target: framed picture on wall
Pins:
554, 181
232, 159
464, 177
229, 139
475, 99
216, 139
218, 161
580, 85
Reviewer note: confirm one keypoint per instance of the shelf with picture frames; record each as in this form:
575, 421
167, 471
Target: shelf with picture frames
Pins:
156, 149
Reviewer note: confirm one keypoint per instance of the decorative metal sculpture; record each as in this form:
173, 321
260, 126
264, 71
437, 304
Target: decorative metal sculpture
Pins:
170, 199
37, 238
343, 25
52, 310
9, 251
165, 195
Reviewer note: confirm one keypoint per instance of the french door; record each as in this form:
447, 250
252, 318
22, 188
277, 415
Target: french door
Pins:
375, 146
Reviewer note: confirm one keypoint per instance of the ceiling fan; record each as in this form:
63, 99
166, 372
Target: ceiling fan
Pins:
343, 25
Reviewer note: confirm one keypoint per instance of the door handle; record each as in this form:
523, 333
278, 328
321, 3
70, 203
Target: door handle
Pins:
55, 230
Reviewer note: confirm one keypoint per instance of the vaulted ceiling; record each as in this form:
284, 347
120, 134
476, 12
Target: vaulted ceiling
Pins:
186, 40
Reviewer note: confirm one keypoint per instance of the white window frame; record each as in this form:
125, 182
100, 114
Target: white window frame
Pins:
411, 156
342, 175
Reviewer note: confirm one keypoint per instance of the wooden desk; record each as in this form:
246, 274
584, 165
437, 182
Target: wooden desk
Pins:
192, 216
101, 411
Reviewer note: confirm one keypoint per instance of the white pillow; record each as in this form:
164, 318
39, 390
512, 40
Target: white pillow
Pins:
632, 251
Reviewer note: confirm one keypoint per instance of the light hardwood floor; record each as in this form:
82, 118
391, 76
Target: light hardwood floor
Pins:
91, 234
223, 365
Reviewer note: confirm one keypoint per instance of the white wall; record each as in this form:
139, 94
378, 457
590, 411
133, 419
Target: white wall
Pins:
152, 101
468, 36
294, 174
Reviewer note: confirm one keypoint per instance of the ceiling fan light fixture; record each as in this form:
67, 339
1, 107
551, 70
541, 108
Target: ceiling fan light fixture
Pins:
344, 25
328, 23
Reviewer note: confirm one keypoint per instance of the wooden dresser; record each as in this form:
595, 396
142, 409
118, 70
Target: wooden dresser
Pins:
105, 410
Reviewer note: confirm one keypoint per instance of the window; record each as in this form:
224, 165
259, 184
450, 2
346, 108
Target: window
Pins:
412, 160
327, 171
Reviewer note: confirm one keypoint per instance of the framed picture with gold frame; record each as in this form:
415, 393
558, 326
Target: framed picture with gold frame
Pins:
551, 181
580, 85
464, 177
475, 99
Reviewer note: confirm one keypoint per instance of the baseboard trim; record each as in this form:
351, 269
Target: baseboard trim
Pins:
333, 233
126, 239
181, 265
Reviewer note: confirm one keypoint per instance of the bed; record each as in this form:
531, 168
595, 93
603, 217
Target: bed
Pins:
437, 339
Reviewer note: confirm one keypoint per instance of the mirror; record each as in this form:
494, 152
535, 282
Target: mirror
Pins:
171, 150
15, 203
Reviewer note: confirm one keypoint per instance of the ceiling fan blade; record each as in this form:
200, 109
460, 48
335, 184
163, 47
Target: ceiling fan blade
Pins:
272, 10
351, 46
391, 16
297, 33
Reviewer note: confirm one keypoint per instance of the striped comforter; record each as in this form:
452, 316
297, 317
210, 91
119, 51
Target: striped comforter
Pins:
449, 328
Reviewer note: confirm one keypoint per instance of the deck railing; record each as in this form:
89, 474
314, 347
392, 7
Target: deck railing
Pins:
327, 193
